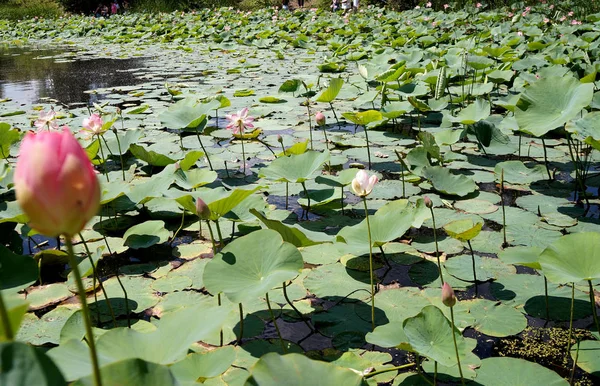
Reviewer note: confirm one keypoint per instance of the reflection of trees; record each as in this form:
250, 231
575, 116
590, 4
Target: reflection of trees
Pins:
65, 82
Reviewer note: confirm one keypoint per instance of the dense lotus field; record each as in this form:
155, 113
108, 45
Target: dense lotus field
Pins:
283, 194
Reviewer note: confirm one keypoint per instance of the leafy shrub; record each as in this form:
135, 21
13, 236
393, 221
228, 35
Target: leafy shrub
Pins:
25, 9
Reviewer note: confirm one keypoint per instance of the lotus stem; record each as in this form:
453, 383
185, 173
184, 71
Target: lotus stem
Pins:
342, 201
546, 159
402, 178
287, 299
571, 319
593, 304
103, 158
368, 149
435, 372
474, 272
221, 243
204, 149
119, 144
505, 243
95, 273
86, 312
287, 193
180, 227
547, 299
121, 285
221, 331
571, 381
307, 197
335, 116
243, 154
309, 123
370, 265
239, 342
437, 249
275, 324
520, 137
212, 236
462, 378
8, 332
387, 370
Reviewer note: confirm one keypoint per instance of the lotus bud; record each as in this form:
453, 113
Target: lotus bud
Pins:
428, 202
55, 183
362, 184
320, 118
202, 209
448, 297
279, 138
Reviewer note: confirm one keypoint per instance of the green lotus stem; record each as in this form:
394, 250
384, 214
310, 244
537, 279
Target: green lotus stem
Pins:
402, 177
287, 299
8, 332
370, 265
95, 275
474, 272
309, 123
571, 381
86, 312
287, 193
547, 299
435, 372
103, 158
283, 148
241, 324
571, 319
221, 331
226, 170
578, 176
275, 323
120, 153
307, 197
180, 227
221, 243
388, 369
593, 303
505, 244
121, 285
368, 149
520, 137
203, 149
335, 116
342, 201
437, 249
462, 378
212, 236
243, 154
546, 159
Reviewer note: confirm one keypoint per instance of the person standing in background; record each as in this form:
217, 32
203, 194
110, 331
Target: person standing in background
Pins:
114, 8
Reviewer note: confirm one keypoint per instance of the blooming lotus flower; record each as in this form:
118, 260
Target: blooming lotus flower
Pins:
320, 118
446, 6
240, 121
93, 124
448, 297
478, 5
46, 119
55, 183
362, 184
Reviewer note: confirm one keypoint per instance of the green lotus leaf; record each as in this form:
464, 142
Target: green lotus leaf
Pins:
463, 230
295, 168
572, 258
297, 370
335, 85
24, 365
146, 234
516, 372
187, 113
17, 272
551, 102
430, 334
445, 182
252, 265
151, 157
132, 372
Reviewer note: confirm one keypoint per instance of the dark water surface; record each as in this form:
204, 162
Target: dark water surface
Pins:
28, 75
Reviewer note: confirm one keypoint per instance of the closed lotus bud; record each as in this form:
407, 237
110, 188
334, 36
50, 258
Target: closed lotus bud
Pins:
279, 138
428, 202
448, 297
320, 118
202, 209
55, 183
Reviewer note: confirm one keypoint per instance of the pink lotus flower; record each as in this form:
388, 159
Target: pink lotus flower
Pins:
46, 119
362, 184
320, 118
55, 183
478, 5
428, 5
93, 124
240, 121
446, 6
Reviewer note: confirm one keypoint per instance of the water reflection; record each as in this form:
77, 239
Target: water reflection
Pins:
27, 75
